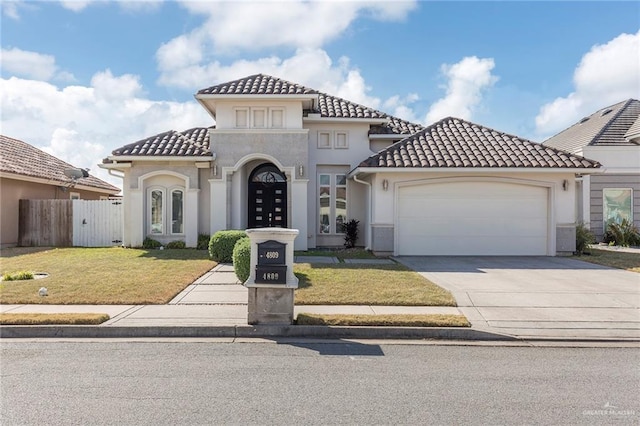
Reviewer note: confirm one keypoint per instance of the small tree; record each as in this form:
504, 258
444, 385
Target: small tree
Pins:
350, 229
584, 237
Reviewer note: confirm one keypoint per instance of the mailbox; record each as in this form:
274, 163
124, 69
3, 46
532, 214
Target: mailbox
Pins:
271, 265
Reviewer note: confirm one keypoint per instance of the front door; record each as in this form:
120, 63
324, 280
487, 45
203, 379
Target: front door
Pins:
267, 198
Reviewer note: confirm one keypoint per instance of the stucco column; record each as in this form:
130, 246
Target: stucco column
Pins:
218, 206
191, 219
134, 220
299, 212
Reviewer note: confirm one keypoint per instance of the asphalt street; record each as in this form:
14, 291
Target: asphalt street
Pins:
306, 382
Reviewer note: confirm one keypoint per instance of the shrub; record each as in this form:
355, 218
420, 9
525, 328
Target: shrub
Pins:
623, 234
150, 243
222, 243
203, 241
350, 229
175, 245
18, 276
584, 237
242, 258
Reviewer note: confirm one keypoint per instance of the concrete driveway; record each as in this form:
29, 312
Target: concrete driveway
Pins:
542, 297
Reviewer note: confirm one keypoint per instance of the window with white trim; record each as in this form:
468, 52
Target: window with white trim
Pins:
156, 211
159, 209
617, 205
332, 203
74, 195
177, 211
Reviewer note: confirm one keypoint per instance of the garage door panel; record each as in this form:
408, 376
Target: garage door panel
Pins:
472, 218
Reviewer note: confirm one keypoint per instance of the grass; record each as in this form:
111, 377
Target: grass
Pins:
354, 284
613, 259
399, 320
341, 254
58, 319
101, 275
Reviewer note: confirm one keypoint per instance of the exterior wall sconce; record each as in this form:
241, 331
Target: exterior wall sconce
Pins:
385, 184
300, 170
565, 185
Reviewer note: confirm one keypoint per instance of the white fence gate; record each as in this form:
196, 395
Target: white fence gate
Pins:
97, 223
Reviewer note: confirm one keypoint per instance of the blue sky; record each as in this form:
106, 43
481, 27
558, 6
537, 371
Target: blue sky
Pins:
81, 78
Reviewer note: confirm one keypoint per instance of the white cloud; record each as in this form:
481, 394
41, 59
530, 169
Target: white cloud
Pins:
28, 64
467, 80
258, 24
232, 27
83, 124
75, 5
32, 65
10, 9
607, 74
309, 67
400, 107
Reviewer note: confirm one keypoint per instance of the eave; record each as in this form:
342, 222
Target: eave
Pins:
129, 158
345, 120
467, 170
56, 182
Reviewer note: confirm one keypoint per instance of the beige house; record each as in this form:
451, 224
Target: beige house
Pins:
282, 154
29, 173
611, 136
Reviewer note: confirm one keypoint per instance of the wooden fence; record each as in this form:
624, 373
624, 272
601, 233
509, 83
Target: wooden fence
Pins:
65, 223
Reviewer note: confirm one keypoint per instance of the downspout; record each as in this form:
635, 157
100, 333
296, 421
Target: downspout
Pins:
369, 213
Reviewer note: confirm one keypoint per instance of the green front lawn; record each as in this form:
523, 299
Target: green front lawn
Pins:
357, 284
109, 276
613, 259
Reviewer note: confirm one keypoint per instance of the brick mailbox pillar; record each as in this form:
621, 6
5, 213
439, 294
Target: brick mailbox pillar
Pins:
271, 282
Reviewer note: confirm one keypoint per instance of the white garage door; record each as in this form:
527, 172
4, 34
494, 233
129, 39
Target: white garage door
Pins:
472, 218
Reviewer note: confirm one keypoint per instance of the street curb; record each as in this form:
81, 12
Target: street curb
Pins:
248, 331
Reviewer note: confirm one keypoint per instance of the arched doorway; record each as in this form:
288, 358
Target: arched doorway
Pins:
267, 204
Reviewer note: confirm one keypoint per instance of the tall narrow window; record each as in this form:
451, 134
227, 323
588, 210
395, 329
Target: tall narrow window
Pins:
324, 194
616, 205
156, 212
177, 197
341, 202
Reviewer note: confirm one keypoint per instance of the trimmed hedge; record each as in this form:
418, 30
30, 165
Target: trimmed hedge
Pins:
242, 258
222, 243
175, 245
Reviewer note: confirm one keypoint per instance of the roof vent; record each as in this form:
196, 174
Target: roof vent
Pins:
605, 112
584, 119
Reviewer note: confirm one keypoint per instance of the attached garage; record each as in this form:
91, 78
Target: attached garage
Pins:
456, 188
472, 218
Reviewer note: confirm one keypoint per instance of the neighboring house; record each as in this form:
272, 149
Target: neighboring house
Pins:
282, 154
29, 173
610, 136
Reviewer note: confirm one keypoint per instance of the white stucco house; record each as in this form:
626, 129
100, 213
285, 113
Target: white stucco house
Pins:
611, 136
281, 154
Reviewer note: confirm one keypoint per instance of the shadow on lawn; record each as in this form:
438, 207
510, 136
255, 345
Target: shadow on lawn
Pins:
175, 254
21, 251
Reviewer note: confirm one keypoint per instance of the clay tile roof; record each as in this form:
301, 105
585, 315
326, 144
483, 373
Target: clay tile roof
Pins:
608, 126
453, 142
328, 105
20, 158
258, 84
189, 143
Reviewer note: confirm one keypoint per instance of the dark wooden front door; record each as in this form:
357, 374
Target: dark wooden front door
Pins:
267, 198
